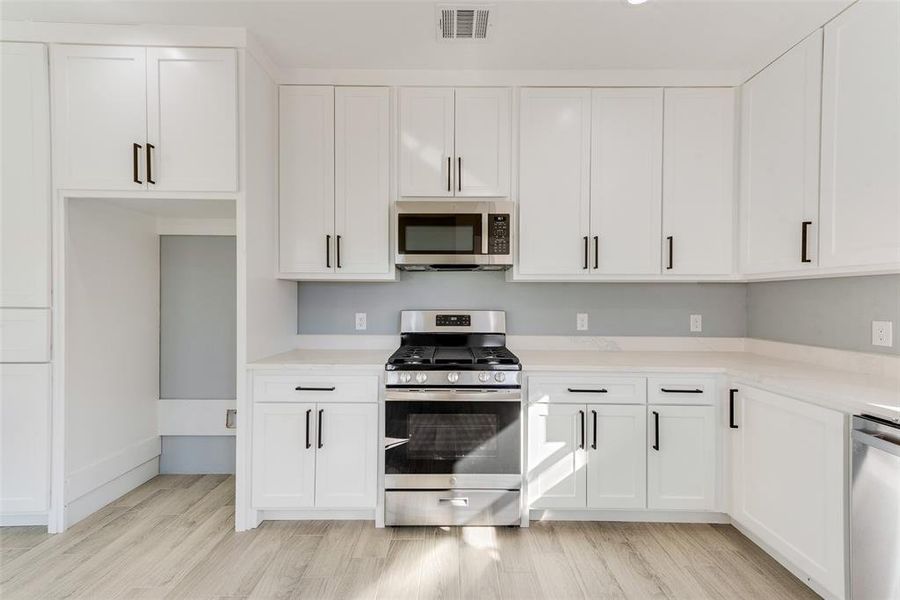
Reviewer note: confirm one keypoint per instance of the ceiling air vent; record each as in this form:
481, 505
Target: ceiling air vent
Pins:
463, 22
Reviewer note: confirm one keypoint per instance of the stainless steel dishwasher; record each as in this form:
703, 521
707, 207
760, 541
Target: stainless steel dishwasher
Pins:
875, 510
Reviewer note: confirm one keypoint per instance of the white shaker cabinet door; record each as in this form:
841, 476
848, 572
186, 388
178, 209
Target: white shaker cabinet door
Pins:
482, 141
554, 181
426, 142
346, 455
860, 204
25, 177
284, 456
362, 144
626, 188
557, 477
780, 162
617, 456
100, 116
788, 472
698, 181
24, 438
306, 179
192, 119
681, 459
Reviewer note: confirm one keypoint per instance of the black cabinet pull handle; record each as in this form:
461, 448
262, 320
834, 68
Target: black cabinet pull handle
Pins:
596, 251
459, 173
594, 444
671, 242
150, 149
731, 422
585, 253
135, 150
668, 391
328, 251
581, 413
583, 391
804, 235
656, 431
319, 427
449, 169
308, 444
337, 251
301, 388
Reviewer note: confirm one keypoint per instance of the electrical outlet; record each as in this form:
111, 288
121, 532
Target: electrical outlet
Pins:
581, 321
360, 321
883, 333
696, 323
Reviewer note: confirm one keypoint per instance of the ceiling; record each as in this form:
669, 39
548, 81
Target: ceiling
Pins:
734, 35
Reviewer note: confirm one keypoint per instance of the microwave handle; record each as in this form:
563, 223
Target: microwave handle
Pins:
485, 234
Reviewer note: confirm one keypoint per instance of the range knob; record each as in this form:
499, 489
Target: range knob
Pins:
483, 377
500, 377
405, 377
453, 377
421, 377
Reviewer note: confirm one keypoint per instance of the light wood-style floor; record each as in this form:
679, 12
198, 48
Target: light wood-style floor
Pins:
174, 537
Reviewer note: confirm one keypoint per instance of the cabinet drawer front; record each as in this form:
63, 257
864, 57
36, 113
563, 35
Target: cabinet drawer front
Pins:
580, 389
681, 390
452, 507
315, 388
24, 335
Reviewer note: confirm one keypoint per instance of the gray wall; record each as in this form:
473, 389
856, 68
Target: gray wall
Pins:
835, 313
197, 341
660, 309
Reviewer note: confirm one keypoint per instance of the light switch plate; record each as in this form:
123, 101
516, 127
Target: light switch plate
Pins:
696, 323
581, 321
360, 321
883, 333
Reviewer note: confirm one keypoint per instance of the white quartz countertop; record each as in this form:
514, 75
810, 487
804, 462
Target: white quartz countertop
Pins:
843, 390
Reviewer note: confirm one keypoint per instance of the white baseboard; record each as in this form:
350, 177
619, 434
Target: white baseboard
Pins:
21, 519
105, 470
629, 516
193, 417
363, 514
116, 488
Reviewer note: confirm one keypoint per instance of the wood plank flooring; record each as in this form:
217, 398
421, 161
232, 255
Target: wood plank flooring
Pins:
174, 537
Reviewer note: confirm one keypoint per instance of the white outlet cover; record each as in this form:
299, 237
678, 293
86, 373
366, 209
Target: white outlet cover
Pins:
581, 321
696, 323
883, 333
360, 321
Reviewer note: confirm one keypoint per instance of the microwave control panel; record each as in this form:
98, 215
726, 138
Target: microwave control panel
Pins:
498, 234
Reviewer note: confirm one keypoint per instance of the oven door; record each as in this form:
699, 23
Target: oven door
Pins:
445, 439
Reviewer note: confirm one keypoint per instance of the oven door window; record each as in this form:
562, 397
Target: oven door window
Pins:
439, 234
452, 437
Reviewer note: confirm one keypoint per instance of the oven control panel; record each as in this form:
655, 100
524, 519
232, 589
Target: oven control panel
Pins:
498, 234
453, 320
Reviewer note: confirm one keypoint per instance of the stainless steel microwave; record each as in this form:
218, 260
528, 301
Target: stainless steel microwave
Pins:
457, 235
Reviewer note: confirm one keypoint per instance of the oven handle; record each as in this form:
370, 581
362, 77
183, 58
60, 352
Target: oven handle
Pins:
448, 395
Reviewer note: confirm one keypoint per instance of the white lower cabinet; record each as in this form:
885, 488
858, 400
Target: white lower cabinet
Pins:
788, 472
681, 460
314, 455
616, 465
24, 439
556, 456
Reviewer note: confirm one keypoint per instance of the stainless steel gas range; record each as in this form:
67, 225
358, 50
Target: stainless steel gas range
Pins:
453, 422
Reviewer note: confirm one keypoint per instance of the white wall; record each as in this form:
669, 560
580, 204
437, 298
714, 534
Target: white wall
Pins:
112, 353
271, 303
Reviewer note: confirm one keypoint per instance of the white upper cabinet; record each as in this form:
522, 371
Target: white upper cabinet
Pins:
860, 199
362, 145
136, 118
100, 116
24, 177
306, 156
192, 119
626, 171
698, 181
780, 162
554, 181
482, 141
426, 142
454, 142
